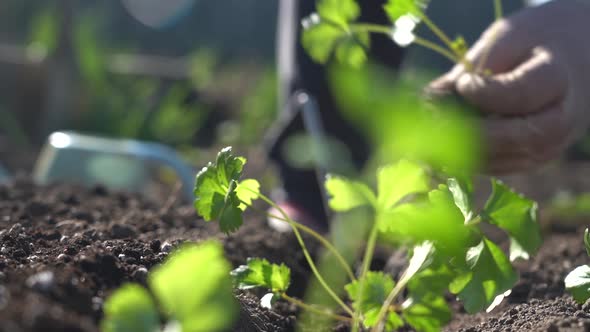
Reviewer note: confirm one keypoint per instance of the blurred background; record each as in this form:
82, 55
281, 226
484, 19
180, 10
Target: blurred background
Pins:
194, 75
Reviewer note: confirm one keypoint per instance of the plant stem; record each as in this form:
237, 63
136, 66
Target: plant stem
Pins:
316, 236
447, 41
382, 29
368, 257
319, 311
498, 11
312, 265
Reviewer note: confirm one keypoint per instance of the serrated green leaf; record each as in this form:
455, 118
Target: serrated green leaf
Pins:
577, 283
376, 287
437, 220
247, 191
194, 288
392, 321
516, 215
490, 274
429, 313
339, 12
323, 40
398, 8
396, 181
130, 308
347, 194
462, 198
215, 191
352, 51
260, 273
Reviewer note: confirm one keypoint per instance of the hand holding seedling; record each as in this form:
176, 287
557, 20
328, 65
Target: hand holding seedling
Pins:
537, 72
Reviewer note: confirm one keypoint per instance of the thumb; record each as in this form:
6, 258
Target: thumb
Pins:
537, 82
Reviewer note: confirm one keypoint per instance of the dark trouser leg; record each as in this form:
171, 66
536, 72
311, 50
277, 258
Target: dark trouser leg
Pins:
298, 72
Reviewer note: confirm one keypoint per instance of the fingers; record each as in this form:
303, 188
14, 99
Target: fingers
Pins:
535, 83
522, 143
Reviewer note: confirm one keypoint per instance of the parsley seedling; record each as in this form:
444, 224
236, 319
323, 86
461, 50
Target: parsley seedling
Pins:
192, 290
436, 221
334, 32
577, 282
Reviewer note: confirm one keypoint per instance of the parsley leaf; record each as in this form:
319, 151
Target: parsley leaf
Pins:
130, 308
577, 283
436, 219
247, 191
260, 273
489, 275
215, 191
193, 287
462, 198
396, 181
347, 194
428, 313
327, 33
398, 8
517, 215
339, 11
376, 287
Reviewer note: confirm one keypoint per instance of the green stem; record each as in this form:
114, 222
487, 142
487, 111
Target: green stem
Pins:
401, 284
312, 265
319, 311
368, 257
316, 236
498, 11
447, 41
386, 30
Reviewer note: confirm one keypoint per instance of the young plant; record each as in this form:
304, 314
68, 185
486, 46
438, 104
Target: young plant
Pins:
334, 32
577, 282
441, 227
191, 291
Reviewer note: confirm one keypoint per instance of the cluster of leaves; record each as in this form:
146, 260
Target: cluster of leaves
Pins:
577, 282
450, 251
191, 291
332, 32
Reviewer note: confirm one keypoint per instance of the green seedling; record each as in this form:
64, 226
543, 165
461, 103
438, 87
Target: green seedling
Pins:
577, 282
190, 292
436, 221
334, 32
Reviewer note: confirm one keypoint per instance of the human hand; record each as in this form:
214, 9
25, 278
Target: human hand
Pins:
537, 98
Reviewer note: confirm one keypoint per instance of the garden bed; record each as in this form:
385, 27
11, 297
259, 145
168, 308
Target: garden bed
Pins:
64, 249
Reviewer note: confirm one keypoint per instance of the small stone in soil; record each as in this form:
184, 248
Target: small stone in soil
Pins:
42, 281
166, 247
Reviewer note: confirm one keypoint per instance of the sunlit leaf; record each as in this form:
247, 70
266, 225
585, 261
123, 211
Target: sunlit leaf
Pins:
437, 220
347, 194
490, 274
462, 198
194, 288
130, 308
398, 180
247, 191
577, 283
260, 273
215, 191
398, 8
517, 215
339, 12
429, 313
376, 287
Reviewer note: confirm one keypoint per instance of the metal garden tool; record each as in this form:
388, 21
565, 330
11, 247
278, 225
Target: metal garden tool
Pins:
118, 164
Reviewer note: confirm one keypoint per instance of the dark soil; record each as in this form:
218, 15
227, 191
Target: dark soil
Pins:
63, 250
